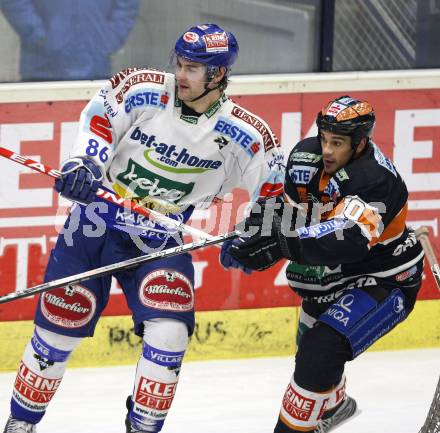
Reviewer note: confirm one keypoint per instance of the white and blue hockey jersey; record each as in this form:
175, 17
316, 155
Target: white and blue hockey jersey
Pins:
134, 129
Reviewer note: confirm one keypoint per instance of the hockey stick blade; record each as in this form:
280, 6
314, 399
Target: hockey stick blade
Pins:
110, 197
109, 269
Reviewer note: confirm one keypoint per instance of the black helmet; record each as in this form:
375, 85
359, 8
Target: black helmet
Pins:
347, 116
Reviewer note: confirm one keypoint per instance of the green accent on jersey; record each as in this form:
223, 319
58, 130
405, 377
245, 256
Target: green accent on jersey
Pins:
173, 169
307, 271
190, 119
305, 157
147, 183
208, 113
341, 175
320, 275
215, 106
213, 109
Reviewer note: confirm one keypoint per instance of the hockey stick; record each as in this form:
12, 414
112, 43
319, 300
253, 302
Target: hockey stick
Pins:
109, 269
422, 234
432, 423
110, 197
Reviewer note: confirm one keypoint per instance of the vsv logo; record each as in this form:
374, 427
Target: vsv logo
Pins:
169, 158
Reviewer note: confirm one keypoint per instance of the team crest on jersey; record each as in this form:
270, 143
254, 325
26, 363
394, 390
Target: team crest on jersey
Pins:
221, 141
167, 290
71, 307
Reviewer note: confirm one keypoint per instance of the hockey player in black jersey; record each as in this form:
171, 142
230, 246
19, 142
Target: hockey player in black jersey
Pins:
357, 267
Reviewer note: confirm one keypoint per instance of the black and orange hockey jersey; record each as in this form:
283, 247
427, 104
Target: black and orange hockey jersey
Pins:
353, 221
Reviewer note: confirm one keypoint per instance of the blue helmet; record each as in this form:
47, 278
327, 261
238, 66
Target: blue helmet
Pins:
208, 44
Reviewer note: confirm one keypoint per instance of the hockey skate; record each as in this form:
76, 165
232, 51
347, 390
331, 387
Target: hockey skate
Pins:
346, 410
129, 427
16, 426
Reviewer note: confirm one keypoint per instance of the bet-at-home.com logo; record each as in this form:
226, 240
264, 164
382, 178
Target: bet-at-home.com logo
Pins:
168, 158
145, 183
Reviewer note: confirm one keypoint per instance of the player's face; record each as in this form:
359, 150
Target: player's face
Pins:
190, 78
336, 151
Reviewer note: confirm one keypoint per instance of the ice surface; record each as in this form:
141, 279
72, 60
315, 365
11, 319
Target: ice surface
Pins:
393, 390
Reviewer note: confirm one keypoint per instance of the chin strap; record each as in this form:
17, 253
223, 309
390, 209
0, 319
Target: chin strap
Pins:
207, 90
353, 156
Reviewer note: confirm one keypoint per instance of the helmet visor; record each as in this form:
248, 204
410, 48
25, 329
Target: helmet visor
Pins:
188, 70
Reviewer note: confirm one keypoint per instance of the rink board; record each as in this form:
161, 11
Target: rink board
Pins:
244, 316
219, 335
41, 120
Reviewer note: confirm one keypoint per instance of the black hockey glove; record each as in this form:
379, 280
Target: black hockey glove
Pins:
260, 219
267, 244
257, 253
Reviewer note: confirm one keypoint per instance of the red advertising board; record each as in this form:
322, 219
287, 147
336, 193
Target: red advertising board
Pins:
408, 131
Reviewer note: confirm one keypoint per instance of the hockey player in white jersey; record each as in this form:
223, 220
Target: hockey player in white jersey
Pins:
176, 141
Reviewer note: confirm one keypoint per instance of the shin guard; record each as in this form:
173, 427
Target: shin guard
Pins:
157, 374
40, 373
302, 410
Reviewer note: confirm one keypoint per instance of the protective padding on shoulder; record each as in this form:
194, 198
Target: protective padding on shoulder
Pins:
363, 320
